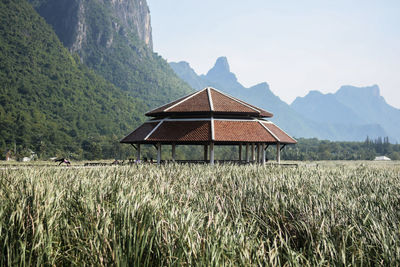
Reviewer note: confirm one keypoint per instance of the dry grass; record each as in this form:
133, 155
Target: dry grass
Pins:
318, 214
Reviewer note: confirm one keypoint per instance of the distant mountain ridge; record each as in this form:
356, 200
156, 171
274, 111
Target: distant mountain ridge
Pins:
337, 123
325, 107
260, 95
352, 105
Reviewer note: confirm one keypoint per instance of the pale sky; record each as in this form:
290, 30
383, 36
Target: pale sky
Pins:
294, 45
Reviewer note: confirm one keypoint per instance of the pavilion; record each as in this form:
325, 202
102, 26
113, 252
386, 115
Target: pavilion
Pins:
210, 117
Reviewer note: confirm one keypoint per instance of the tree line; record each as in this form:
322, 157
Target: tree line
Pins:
314, 149
108, 147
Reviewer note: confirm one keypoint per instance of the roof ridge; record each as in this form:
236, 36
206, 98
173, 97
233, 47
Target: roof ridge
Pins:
210, 101
183, 100
282, 130
154, 129
237, 100
169, 103
266, 128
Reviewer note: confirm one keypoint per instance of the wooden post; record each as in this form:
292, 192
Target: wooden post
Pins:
258, 153
173, 152
158, 153
205, 153
253, 152
138, 152
211, 153
247, 153
278, 153
263, 154
240, 152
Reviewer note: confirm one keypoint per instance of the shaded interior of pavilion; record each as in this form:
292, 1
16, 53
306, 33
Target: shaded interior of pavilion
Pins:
243, 153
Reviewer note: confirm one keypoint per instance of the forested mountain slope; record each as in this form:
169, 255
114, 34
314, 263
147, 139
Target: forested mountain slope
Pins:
49, 101
114, 39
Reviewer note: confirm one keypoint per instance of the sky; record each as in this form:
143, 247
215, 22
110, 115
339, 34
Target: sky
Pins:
293, 45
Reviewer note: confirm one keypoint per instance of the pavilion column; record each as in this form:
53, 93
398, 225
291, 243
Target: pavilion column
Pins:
253, 152
138, 152
247, 153
158, 153
278, 153
240, 152
205, 152
211, 153
173, 152
263, 154
258, 153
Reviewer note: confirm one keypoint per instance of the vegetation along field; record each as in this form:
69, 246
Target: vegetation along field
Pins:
335, 213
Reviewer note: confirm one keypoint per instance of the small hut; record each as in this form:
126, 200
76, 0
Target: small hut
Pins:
209, 118
382, 158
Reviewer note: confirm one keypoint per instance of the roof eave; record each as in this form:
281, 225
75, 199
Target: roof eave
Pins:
207, 113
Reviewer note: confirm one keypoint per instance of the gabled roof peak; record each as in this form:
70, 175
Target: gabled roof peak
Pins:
208, 101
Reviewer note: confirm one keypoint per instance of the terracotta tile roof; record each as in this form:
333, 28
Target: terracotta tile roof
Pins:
222, 103
263, 113
199, 102
140, 133
241, 131
162, 108
281, 135
182, 131
225, 130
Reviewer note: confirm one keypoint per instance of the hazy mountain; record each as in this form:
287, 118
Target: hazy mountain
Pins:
367, 103
322, 108
221, 75
187, 74
114, 39
353, 106
222, 78
301, 122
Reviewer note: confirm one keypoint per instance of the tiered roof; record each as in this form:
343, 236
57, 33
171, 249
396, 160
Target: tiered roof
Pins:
208, 116
209, 101
207, 130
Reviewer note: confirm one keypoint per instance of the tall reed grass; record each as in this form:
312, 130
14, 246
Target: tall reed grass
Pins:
200, 215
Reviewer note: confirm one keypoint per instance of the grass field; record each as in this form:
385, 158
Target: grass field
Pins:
336, 213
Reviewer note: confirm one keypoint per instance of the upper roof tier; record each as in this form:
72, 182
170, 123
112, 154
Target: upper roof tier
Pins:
208, 101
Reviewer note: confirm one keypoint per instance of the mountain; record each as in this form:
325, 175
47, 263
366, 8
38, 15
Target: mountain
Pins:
304, 122
322, 108
49, 101
186, 73
351, 105
114, 39
220, 74
260, 95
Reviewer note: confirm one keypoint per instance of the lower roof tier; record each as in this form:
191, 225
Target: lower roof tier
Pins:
205, 130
